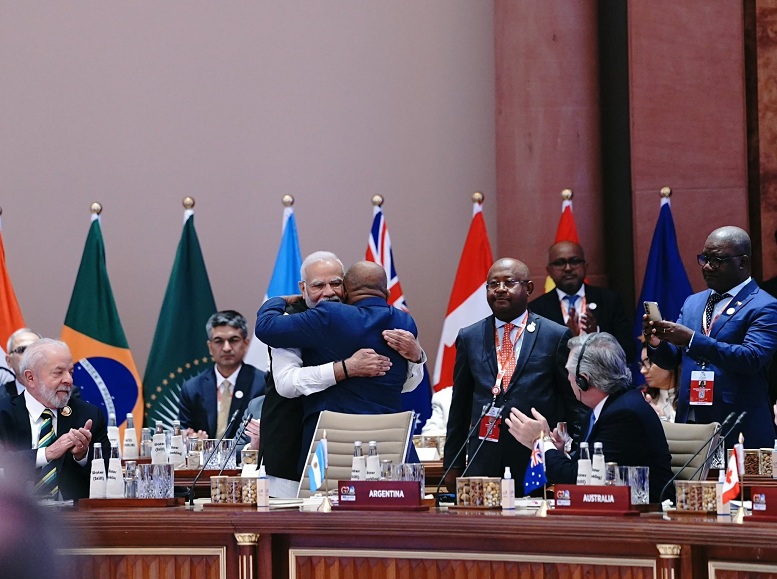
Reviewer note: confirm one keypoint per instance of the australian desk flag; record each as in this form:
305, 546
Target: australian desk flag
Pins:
535, 473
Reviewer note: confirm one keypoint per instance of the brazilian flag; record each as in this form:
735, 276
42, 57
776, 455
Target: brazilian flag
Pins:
179, 350
104, 369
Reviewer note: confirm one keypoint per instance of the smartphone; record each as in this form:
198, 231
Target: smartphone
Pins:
654, 314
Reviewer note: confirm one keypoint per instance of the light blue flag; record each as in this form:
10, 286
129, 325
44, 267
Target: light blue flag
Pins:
283, 282
318, 466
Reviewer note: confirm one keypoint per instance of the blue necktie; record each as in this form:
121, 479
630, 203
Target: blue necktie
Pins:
590, 426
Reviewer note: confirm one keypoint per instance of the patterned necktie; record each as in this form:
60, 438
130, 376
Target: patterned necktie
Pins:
507, 356
711, 302
225, 393
47, 485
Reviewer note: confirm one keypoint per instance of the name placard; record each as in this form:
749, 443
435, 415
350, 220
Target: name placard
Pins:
764, 503
593, 500
379, 494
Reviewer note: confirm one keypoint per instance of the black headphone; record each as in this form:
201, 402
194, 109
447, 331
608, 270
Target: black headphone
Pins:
580, 380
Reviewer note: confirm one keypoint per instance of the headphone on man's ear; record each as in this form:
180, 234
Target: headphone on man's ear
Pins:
580, 380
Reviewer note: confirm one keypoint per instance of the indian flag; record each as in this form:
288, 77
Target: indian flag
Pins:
10, 314
104, 369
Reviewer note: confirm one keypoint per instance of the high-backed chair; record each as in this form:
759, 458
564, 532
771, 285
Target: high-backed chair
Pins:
684, 440
391, 431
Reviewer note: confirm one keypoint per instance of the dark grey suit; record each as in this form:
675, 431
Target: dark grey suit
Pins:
539, 381
609, 312
199, 407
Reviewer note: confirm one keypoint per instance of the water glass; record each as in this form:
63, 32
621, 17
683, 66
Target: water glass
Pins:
561, 427
155, 481
611, 474
210, 455
386, 467
639, 481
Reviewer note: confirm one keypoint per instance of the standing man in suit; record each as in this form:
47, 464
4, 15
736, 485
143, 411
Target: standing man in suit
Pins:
280, 442
211, 398
335, 331
725, 338
48, 433
628, 428
17, 344
513, 358
581, 307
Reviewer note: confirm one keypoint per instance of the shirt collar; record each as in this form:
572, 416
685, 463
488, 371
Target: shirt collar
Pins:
232, 377
580, 292
598, 408
736, 289
518, 322
34, 407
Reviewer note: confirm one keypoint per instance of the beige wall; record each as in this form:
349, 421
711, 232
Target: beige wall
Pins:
137, 104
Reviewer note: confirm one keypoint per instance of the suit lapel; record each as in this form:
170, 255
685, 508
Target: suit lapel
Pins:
22, 418
738, 302
209, 399
245, 379
489, 351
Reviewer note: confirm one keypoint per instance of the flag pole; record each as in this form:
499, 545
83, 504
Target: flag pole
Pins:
740, 516
543, 510
326, 504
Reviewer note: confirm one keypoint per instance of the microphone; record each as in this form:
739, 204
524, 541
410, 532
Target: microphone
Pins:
238, 435
721, 440
695, 454
205, 463
486, 408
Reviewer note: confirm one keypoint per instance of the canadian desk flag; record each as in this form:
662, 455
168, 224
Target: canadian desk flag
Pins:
467, 303
731, 484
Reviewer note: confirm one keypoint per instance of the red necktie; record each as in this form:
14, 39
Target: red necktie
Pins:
507, 357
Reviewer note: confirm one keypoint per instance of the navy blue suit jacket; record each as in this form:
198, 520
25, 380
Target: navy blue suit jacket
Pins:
631, 435
199, 405
739, 349
16, 437
334, 331
609, 312
539, 381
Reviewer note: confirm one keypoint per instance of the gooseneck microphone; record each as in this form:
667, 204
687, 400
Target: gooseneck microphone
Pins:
715, 433
486, 408
238, 435
205, 462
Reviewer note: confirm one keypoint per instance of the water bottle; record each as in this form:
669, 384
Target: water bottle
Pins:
177, 450
584, 465
130, 440
774, 459
113, 430
97, 481
159, 448
508, 491
373, 461
146, 444
359, 465
262, 490
598, 465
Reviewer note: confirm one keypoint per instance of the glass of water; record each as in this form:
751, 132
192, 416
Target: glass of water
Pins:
639, 481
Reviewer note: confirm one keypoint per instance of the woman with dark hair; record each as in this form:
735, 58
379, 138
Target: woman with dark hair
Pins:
660, 387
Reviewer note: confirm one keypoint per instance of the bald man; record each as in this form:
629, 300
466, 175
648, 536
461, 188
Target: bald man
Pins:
582, 307
335, 331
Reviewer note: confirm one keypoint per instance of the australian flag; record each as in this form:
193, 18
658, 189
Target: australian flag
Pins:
535, 473
379, 251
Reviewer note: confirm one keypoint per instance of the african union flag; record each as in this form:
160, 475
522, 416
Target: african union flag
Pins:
179, 350
104, 369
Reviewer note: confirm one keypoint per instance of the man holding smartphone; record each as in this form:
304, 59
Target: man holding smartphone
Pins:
725, 338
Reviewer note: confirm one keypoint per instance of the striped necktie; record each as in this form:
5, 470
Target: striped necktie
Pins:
47, 485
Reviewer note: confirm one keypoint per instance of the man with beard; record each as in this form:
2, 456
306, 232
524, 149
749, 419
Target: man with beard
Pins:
581, 307
725, 338
511, 359
279, 433
45, 432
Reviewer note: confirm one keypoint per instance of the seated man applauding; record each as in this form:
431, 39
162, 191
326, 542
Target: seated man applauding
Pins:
628, 428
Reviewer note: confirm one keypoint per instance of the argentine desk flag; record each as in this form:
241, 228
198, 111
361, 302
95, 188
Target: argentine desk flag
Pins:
318, 465
535, 473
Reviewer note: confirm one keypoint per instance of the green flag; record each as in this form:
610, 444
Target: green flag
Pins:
104, 368
179, 350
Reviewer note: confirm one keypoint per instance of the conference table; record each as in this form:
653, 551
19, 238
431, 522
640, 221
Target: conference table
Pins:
212, 542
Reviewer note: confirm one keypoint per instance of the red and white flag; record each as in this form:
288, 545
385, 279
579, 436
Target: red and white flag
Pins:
731, 485
467, 303
566, 231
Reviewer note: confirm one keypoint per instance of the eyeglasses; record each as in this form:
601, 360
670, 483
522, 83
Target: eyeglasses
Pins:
715, 262
494, 285
572, 262
233, 341
336, 283
646, 364
18, 350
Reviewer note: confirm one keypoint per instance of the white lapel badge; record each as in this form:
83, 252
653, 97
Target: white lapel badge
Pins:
66, 411
531, 327
239, 394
